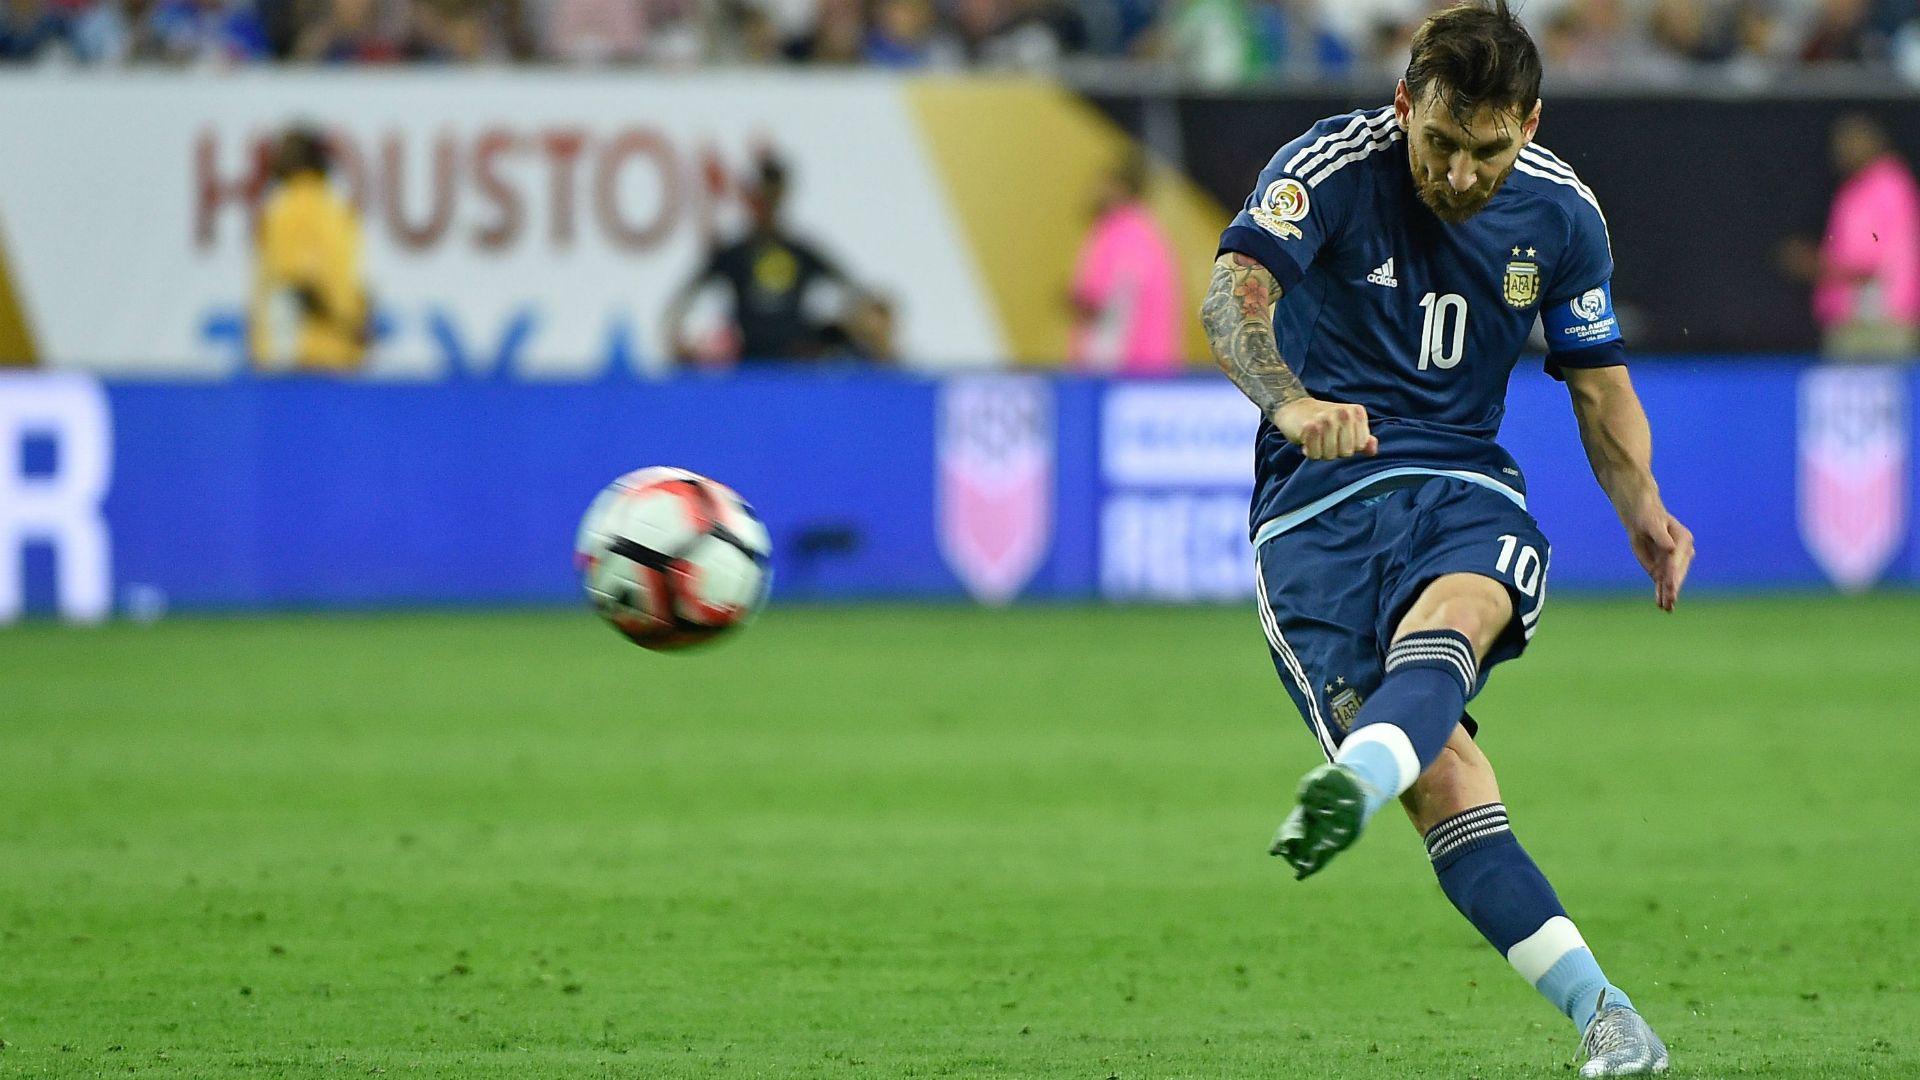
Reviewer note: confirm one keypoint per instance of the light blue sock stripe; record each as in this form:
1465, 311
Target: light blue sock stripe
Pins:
1574, 983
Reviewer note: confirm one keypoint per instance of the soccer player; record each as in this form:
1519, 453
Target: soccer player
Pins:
1372, 299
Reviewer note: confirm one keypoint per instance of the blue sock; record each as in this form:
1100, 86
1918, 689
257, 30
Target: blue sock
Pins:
1490, 878
1430, 674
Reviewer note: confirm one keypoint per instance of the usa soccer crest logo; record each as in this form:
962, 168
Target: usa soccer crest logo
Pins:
995, 484
1853, 471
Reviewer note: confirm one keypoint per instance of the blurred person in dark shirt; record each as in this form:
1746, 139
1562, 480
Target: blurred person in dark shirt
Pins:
776, 282
29, 29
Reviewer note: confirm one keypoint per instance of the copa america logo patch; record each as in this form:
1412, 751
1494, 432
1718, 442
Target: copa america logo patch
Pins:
1589, 305
1283, 203
994, 493
1853, 471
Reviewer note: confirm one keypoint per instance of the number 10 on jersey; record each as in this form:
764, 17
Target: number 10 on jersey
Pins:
1443, 332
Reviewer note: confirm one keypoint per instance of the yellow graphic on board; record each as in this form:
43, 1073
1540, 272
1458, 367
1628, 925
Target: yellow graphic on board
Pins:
1020, 160
16, 337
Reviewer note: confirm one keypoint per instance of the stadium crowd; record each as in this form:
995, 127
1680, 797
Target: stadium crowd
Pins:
1221, 42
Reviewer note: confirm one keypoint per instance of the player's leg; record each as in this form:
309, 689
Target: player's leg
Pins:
1316, 600
1492, 880
1431, 669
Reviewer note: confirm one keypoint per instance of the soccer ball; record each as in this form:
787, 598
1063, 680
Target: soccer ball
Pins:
670, 558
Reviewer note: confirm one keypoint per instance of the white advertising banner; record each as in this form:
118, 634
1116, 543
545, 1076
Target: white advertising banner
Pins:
532, 224
1176, 460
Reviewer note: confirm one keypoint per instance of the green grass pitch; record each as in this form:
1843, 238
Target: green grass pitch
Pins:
906, 842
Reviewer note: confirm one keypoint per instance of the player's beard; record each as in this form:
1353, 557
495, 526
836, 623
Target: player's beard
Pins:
1449, 205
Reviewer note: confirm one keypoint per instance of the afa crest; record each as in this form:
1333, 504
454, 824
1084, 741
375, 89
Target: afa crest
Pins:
1345, 705
1522, 283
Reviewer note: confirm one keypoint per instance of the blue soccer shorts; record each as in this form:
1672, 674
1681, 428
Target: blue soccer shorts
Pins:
1334, 587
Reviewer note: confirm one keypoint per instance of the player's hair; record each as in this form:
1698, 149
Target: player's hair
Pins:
1475, 55
302, 149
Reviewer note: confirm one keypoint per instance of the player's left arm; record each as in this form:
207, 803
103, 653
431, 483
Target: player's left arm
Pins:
1584, 348
1619, 444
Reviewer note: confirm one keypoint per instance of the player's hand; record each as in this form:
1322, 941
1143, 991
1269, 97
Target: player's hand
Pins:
1665, 550
1326, 430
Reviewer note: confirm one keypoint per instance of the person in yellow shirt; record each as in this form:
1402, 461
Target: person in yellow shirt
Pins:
309, 309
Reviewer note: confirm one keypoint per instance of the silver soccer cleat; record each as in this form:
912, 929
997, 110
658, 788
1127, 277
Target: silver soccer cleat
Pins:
1619, 1043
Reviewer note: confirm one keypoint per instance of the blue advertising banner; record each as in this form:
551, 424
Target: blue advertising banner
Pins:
138, 497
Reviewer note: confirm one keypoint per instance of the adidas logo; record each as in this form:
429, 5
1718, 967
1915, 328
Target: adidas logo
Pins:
1383, 275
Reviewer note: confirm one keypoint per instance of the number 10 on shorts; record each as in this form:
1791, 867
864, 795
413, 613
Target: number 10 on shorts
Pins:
1526, 569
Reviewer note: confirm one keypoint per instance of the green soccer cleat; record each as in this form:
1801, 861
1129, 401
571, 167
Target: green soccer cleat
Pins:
1332, 809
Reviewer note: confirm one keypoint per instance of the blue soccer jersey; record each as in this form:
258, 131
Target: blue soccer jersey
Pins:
1421, 322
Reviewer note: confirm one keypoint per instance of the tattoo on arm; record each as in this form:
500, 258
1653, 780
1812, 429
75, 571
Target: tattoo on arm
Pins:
1240, 330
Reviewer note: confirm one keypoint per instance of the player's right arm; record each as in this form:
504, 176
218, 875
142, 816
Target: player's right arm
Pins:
1238, 316
1299, 204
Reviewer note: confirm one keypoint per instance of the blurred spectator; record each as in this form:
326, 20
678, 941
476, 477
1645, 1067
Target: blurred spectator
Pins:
29, 30
903, 35
838, 35
1017, 34
351, 32
1688, 30
1215, 42
1389, 43
207, 32
309, 308
1117, 27
115, 32
777, 283
595, 31
1842, 32
1906, 49
1566, 47
749, 34
676, 33
1866, 273
1754, 26
1126, 286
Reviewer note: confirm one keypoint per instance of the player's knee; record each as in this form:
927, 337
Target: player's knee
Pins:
1457, 781
1477, 617
1445, 774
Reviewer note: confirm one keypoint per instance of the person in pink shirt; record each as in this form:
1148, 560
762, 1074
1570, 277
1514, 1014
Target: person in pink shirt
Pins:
1866, 272
1126, 285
